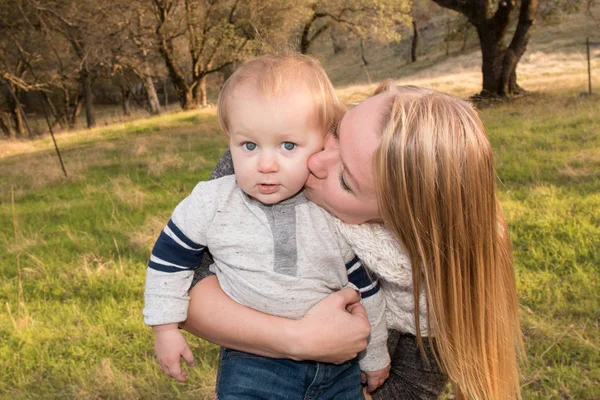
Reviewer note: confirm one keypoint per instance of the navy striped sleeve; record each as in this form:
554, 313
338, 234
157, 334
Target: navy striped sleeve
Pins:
174, 251
359, 277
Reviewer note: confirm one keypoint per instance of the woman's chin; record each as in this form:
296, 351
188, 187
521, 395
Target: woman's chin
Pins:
312, 195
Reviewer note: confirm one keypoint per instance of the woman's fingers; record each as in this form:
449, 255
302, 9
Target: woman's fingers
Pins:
347, 296
357, 310
335, 329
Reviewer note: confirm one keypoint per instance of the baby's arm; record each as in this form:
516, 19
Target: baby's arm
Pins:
375, 360
170, 270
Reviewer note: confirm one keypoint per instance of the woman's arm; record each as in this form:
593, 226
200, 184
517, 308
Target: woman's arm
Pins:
334, 330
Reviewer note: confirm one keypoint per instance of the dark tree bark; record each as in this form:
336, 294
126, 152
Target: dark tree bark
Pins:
88, 94
166, 92
415, 42
306, 40
499, 62
126, 99
16, 115
76, 110
6, 125
183, 89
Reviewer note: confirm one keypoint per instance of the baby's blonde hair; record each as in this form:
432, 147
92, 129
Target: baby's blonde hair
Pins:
435, 183
274, 74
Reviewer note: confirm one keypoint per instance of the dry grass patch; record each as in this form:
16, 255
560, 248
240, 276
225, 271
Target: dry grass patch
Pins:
144, 238
584, 164
163, 162
126, 191
108, 382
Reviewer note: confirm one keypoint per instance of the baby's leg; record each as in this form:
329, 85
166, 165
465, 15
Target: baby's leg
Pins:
245, 376
336, 382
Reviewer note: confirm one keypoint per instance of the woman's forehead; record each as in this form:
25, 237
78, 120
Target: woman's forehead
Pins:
359, 134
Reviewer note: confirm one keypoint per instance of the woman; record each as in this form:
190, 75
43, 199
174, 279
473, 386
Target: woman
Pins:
432, 182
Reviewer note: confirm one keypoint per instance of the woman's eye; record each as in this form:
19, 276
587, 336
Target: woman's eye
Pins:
288, 146
249, 146
343, 183
334, 131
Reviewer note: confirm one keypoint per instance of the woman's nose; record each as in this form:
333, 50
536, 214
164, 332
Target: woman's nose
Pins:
319, 163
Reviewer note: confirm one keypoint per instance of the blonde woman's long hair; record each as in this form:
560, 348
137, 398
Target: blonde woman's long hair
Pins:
436, 191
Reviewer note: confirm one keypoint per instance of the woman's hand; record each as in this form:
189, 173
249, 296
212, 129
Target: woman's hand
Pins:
334, 330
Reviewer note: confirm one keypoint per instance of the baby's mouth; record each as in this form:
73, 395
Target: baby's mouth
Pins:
267, 188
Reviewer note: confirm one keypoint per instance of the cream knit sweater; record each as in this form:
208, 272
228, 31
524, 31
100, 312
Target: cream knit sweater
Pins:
386, 257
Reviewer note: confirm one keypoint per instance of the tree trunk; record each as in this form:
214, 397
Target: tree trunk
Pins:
415, 42
306, 40
18, 120
491, 56
166, 93
67, 107
126, 97
186, 99
88, 94
499, 63
76, 111
200, 96
184, 92
15, 112
517, 47
152, 96
6, 125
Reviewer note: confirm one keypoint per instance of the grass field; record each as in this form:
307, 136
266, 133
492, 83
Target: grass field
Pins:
73, 250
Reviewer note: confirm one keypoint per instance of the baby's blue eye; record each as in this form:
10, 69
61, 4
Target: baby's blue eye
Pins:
289, 146
249, 146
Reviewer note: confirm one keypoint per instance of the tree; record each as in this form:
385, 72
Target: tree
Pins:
360, 19
213, 33
491, 20
135, 51
19, 53
82, 24
421, 13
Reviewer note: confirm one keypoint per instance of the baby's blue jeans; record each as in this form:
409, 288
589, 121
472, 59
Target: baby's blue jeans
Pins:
245, 376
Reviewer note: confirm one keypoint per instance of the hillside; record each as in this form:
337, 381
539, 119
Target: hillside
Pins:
555, 60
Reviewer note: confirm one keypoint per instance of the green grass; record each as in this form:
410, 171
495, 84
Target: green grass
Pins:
548, 160
74, 250
73, 269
